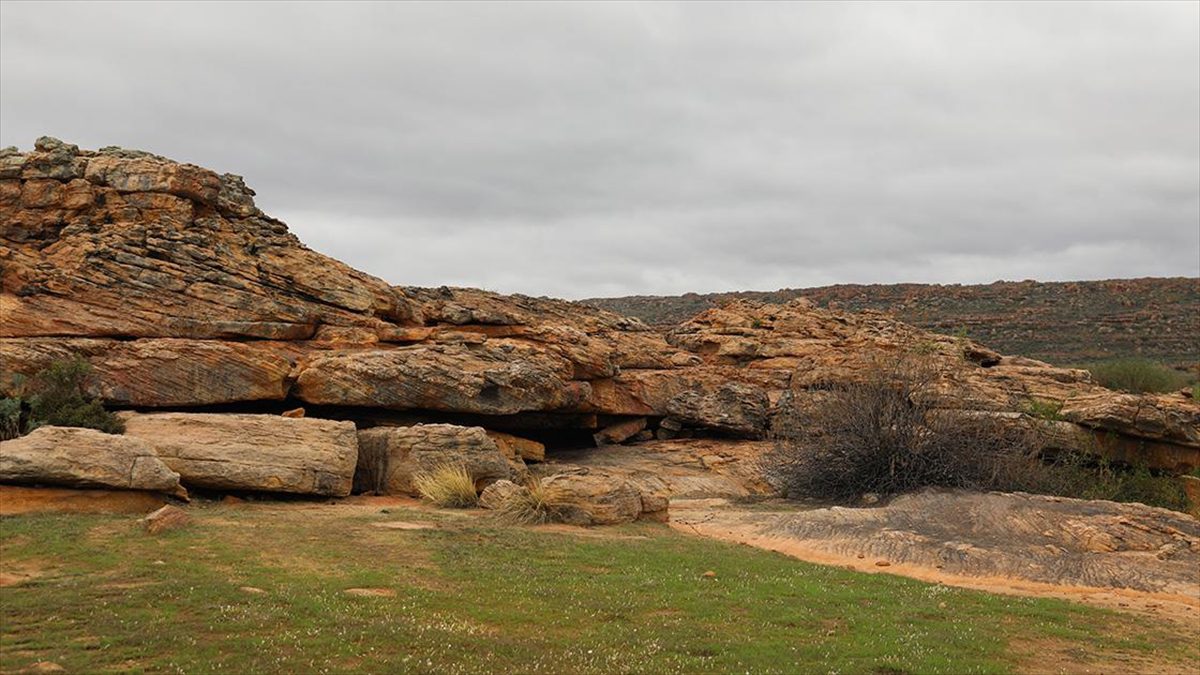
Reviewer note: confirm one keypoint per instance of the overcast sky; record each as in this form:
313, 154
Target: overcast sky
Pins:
606, 149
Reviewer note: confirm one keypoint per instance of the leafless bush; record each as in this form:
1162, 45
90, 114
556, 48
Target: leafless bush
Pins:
882, 435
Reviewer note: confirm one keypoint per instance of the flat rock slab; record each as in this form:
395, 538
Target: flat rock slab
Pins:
1025, 538
18, 499
86, 458
263, 453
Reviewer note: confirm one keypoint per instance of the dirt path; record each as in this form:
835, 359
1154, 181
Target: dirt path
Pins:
905, 539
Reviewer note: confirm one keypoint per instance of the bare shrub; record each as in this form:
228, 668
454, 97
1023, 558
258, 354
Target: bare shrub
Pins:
449, 485
882, 435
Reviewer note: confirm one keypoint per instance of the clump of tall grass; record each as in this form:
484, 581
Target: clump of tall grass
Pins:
533, 504
449, 485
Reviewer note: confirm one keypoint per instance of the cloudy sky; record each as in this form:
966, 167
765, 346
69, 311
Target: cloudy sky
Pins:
607, 149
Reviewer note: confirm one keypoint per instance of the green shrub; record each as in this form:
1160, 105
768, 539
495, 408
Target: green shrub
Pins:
1137, 376
1083, 476
57, 398
1044, 409
448, 485
10, 418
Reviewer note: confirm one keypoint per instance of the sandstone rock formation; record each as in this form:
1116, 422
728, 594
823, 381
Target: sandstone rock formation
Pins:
993, 536
593, 498
181, 293
264, 453
495, 495
389, 457
85, 458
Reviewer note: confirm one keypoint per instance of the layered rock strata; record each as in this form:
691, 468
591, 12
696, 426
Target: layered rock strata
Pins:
180, 292
85, 458
261, 453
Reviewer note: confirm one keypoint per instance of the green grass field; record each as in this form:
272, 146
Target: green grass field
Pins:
262, 588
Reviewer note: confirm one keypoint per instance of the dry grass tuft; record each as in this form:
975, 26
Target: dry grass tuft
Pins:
534, 505
449, 485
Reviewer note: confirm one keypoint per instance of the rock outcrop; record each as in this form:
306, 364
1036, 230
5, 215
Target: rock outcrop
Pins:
85, 458
991, 537
181, 292
389, 457
261, 453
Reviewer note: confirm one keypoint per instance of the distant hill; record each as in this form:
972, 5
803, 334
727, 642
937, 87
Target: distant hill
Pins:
1060, 322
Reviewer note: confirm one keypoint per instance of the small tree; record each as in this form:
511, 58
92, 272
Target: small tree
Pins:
58, 398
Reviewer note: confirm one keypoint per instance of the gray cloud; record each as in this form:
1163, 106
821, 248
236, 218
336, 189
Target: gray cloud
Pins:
598, 149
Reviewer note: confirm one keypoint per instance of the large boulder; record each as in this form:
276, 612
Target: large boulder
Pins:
262, 453
85, 458
593, 498
389, 457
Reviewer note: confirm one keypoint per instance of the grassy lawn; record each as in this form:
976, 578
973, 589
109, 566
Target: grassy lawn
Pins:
262, 588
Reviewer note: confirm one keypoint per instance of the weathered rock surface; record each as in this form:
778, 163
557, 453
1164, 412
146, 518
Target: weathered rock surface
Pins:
494, 495
593, 498
678, 469
182, 293
389, 457
264, 453
517, 448
85, 458
1066, 542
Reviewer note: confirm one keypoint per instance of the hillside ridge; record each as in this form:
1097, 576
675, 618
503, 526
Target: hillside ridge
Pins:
1063, 322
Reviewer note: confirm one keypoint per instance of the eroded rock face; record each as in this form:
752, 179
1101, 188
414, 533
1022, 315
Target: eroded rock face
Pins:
181, 292
391, 456
262, 453
85, 458
493, 379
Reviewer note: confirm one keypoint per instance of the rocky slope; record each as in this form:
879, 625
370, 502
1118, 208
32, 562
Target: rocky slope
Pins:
182, 294
1060, 322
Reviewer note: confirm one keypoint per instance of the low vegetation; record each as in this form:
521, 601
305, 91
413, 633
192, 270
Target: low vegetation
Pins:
332, 589
1137, 376
534, 505
55, 396
447, 485
881, 436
